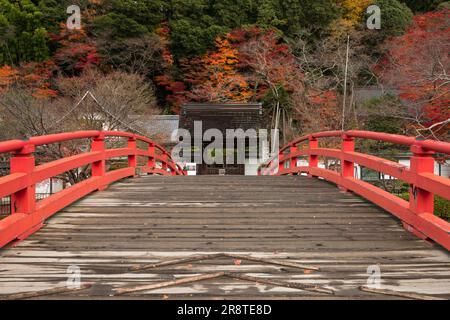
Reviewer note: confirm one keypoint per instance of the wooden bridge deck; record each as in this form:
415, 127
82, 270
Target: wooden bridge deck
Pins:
294, 219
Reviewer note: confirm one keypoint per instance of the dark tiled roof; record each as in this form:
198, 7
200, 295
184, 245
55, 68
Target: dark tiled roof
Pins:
222, 116
221, 106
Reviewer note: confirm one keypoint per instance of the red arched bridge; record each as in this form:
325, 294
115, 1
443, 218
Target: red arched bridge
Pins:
153, 232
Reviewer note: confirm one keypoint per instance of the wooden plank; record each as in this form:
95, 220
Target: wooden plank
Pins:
280, 283
198, 258
35, 294
166, 223
409, 295
176, 261
272, 261
185, 280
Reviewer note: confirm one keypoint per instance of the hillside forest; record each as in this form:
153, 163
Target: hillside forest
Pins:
140, 57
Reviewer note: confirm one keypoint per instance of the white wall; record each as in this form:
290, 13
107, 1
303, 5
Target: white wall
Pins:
445, 168
44, 186
251, 167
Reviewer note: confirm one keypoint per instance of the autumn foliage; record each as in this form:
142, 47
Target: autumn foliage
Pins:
419, 66
353, 11
288, 56
222, 82
76, 52
34, 77
164, 34
7, 77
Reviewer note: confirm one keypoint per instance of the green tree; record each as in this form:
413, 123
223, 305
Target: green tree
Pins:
443, 5
194, 25
383, 114
146, 13
235, 13
116, 26
191, 38
396, 17
423, 5
25, 38
291, 16
53, 13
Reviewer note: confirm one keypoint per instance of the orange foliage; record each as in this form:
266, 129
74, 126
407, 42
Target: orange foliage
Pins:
352, 11
35, 77
164, 34
67, 36
44, 93
222, 81
320, 98
7, 77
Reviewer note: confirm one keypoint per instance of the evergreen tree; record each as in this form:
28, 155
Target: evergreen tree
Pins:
24, 38
423, 5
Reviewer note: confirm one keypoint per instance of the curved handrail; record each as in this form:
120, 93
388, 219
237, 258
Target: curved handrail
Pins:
27, 215
417, 214
430, 145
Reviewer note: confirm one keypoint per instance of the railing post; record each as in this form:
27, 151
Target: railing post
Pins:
347, 167
99, 167
164, 162
280, 162
24, 201
151, 158
313, 160
421, 200
132, 158
293, 162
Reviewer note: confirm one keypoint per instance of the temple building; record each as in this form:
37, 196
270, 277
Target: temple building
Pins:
223, 117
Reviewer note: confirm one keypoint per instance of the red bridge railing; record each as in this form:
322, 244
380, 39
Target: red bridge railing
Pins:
417, 214
27, 215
